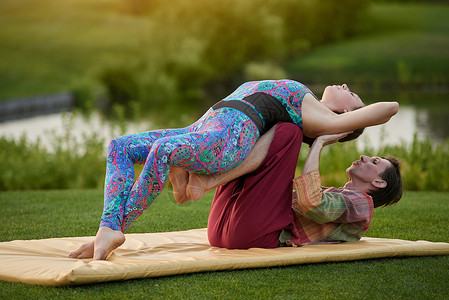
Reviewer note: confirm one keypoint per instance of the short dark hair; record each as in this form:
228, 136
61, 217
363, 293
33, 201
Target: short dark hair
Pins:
352, 136
392, 193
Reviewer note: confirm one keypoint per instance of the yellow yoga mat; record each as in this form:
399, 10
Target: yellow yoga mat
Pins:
45, 261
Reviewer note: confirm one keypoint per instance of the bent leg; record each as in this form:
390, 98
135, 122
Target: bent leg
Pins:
123, 153
216, 146
251, 211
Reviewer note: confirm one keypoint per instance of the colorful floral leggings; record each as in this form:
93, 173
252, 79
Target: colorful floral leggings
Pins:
216, 143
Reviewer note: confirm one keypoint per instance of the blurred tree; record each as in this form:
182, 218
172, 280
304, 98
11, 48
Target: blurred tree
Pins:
194, 46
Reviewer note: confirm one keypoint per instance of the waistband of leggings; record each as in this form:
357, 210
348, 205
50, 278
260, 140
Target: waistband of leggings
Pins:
244, 108
270, 108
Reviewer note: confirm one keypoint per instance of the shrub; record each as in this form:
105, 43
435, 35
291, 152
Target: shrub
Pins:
68, 163
81, 164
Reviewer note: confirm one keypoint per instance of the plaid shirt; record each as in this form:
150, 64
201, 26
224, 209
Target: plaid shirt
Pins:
323, 215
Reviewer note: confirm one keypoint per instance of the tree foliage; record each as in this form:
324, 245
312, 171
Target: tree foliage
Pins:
197, 51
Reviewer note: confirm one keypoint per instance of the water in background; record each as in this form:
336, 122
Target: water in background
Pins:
424, 114
48, 127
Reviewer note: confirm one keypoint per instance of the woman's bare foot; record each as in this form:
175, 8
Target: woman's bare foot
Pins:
85, 251
179, 179
104, 243
198, 185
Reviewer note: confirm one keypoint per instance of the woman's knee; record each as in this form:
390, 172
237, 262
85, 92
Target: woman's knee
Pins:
116, 145
161, 151
172, 152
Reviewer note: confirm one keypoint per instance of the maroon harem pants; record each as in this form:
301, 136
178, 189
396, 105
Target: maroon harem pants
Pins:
252, 210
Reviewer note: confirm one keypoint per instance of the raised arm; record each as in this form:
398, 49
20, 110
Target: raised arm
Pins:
319, 120
311, 201
313, 159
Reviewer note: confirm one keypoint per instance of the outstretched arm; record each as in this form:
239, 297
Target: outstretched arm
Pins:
374, 114
318, 120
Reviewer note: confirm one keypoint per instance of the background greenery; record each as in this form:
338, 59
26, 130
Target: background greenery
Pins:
189, 52
419, 216
153, 59
158, 54
81, 164
115, 47
181, 56
401, 47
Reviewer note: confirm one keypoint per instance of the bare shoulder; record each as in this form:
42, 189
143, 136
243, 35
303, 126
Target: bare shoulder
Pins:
315, 116
310, 100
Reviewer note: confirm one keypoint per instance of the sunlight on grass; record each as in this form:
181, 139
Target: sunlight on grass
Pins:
420, 215
49, 46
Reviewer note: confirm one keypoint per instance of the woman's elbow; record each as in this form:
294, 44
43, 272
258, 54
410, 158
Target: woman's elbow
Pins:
390, 109
394, 107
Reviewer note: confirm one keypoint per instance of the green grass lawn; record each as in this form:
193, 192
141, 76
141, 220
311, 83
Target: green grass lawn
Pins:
419, 216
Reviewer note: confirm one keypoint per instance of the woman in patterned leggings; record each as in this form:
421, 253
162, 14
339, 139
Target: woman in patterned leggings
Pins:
216, 143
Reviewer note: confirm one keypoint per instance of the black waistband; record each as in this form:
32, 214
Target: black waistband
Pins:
244, 108
270, 108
